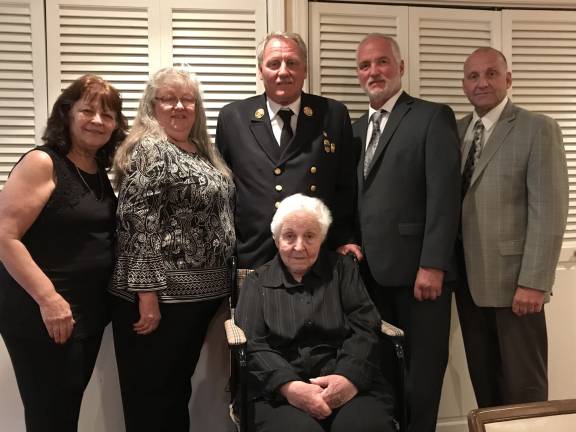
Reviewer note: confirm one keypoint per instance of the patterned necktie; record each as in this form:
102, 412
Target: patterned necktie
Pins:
286, 134
374, 138
473, 156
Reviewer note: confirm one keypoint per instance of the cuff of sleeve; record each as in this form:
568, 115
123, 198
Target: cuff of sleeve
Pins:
140, 273
278, 379
354, 373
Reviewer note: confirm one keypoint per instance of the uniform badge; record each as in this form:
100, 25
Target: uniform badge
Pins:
308, 111
326, 143
259, 113
332, 148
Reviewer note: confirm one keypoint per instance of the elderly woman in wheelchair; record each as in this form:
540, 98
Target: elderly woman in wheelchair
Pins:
312, 334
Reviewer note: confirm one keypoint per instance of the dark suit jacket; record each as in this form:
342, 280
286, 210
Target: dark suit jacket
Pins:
409, 204
320, 161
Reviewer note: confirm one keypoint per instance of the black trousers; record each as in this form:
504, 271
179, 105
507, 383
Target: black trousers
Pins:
507, 355
427, 328
364, 413
155, 370
52, 378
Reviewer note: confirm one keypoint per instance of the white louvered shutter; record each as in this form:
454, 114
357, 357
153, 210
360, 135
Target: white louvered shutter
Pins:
440, 41
335, 31
23, 111
541, 51
218, 40
110, 38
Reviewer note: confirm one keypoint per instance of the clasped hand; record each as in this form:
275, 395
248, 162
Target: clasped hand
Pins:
319, 397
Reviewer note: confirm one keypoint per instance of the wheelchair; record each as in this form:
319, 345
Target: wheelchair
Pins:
239, 403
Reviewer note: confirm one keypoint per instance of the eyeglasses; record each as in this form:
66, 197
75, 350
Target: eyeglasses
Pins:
172, 101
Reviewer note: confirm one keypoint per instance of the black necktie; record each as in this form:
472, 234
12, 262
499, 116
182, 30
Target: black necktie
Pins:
286, 134
473, 156
374, 138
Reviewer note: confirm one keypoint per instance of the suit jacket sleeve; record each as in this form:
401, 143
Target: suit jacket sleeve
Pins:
359, 356
547, 205
344, 210
221, 142
442, 164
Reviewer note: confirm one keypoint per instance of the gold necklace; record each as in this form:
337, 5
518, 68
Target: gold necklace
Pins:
88, 186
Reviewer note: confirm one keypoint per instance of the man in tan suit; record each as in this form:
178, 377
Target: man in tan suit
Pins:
514, 209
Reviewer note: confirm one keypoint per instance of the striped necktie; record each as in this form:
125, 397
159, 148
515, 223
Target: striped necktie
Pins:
374, 138
473, 156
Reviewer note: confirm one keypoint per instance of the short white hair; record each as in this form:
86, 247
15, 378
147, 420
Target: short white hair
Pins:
299, 202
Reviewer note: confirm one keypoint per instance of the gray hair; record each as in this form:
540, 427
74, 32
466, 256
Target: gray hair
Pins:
395, 47
299, 202
294, 37
146, 125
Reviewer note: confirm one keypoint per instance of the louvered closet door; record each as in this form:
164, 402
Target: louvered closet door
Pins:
111, 38
541, 51
335, 31
217, 40
23, 110
440, 41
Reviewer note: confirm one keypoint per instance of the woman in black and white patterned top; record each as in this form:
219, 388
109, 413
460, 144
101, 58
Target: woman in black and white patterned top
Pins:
175, 237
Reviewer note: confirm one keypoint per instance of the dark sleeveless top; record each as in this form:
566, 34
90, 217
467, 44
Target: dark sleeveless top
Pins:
72, 242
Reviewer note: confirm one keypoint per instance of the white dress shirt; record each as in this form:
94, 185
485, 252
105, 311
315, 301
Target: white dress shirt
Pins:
276, 122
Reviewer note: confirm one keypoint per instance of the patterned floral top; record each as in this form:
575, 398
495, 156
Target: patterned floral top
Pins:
175, 226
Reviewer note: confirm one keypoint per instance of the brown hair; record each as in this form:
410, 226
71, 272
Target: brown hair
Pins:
89, 88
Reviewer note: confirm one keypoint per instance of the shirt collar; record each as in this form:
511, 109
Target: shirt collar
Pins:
274, 107
491, 117
278, 276
388, 105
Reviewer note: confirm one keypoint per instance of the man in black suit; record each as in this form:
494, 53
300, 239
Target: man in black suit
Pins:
311, 152
409, 209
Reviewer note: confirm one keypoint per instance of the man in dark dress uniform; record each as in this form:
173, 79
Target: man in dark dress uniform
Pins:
284, 142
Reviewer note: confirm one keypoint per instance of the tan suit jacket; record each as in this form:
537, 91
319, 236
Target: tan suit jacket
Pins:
514, 213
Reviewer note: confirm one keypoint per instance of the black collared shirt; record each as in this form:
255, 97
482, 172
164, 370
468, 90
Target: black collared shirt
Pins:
324, 325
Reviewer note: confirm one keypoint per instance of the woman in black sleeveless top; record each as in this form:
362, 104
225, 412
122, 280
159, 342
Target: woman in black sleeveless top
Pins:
57, 222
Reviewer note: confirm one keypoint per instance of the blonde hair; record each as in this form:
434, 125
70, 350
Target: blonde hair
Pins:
146, 125
294, 37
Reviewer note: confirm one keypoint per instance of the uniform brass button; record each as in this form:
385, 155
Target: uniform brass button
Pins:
313, 188
313, 170
277, 171
278, 188
277, 204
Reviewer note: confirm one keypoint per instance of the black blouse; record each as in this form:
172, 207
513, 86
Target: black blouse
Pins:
71, 240
296, 331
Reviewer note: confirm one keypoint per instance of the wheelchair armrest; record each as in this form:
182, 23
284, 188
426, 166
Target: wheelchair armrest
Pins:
391, 331
234, 334
395, 336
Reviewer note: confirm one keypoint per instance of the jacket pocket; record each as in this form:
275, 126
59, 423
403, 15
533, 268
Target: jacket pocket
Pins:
411, 229
511, 247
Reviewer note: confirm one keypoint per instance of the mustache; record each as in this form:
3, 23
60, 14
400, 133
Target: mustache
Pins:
376, 80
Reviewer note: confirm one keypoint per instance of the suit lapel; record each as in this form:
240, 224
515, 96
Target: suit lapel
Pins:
503, 126
462, 127
362, 128
307, 128
398, 112
262, 130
